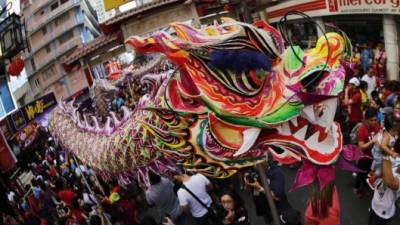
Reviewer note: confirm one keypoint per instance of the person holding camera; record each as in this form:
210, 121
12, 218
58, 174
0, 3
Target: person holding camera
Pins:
233, 212
276, 178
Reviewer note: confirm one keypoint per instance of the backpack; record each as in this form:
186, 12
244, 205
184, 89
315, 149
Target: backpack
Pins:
353, 133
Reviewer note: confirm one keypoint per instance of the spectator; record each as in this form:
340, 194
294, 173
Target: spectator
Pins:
234, 211
366, 58
65, 193
161, 194
364, 94
365, 140
385, 141
380, 61
352, 99
193, 197
276, 180
370, 78
383, 206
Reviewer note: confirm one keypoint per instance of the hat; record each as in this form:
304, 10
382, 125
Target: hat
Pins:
114, 197
354, 81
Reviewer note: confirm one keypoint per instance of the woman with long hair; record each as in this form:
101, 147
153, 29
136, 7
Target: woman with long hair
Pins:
233, 212
323, 208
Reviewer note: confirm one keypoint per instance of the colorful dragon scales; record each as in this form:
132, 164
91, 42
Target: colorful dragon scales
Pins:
236, 93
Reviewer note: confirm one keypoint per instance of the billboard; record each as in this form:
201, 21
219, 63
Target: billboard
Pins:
20, 118
111, 4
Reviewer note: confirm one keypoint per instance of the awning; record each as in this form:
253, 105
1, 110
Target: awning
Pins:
92, 46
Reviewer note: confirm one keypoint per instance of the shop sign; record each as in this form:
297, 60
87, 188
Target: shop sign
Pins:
29, 112
111, 4
364, 6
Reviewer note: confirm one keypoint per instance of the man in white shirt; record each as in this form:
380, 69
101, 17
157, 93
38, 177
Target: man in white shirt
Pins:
198, 184
370, 78
383, 206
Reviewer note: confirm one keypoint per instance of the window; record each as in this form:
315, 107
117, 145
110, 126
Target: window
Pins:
44, 30
33, 65
63, 1
37, 84
48, 49
62, 19
47, 74
54, 6
66, 37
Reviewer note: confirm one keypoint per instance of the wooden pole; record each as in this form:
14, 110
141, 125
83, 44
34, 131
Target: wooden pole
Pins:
268, 194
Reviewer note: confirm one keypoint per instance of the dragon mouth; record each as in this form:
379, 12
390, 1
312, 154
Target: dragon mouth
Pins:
312, 135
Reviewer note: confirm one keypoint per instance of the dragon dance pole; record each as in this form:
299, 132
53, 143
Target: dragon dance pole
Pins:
89, 188
268, 194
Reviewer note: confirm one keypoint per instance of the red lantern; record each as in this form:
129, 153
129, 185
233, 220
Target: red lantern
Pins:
16, 66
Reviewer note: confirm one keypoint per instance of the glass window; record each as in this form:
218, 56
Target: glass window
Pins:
63, 1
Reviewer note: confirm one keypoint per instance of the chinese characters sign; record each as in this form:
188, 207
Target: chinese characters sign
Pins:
31, 111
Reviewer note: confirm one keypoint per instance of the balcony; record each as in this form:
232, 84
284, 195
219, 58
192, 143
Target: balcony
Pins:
51, 36
38, 4
35, 25
59, 51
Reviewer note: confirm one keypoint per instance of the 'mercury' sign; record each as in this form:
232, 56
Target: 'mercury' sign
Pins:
364, 6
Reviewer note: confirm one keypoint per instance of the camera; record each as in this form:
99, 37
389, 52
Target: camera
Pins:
252, 177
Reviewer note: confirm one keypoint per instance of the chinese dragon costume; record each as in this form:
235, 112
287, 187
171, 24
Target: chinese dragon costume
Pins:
236, 92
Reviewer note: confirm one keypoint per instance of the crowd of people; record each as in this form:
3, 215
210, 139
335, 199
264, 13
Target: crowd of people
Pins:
371, 114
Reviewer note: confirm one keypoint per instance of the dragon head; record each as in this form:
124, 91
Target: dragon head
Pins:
236, 92
252, 95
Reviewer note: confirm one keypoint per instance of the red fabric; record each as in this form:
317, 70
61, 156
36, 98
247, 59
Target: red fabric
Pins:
366, 133
33, 204
52, 171
333, 217
66, 196
128, 211
77, 215
355, 114
385, 94
116, 189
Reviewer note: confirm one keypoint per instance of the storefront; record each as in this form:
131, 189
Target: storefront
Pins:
364, 21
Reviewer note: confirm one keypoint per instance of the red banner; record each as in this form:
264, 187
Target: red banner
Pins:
7, 158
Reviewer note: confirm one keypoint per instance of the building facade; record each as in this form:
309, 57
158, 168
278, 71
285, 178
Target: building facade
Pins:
55, 28
102, 15
364, 21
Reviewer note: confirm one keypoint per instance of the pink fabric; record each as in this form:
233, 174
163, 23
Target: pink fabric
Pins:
333, 217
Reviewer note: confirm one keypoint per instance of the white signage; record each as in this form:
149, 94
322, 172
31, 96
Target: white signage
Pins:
363, 6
